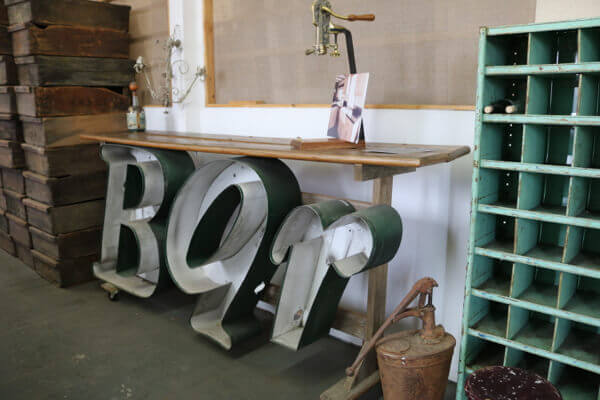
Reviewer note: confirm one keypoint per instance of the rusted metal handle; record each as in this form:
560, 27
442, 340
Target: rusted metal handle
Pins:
363, 17
423, 287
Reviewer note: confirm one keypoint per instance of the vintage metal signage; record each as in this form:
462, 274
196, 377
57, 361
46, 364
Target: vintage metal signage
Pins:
221, 227
141, 186
328, 242
221, 231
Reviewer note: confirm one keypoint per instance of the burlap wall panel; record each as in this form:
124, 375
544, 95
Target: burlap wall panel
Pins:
417, 51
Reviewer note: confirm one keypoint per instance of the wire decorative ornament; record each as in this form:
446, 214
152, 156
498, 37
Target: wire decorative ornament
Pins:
174, 86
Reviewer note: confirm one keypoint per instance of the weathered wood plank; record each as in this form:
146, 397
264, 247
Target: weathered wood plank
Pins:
68, 101
58, 40
63, 161
8, 100
68, 245
3, 15
10, 128
64, 219
64, 273
11, 154
14, 204
18, 229
369, 172
5, 41
403, 155
74, 71
3, 222
66, 190
12, 179
7, 244
69, 12
8, 70
65, 131
24, 254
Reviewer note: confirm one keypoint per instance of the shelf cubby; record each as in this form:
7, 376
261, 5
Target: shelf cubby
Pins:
533, 281
507, 50
588, 95
521, 359
586, 248
550, 239
483, 353
573, 383
589, 51
535, 285
502, 142
580, 295
577, 341
543, 193
488, 317
513, 88
492, 276
530, 328
553, 47
496, 232
553, 95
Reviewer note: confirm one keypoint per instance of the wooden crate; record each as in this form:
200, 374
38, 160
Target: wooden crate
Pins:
70, 41
64, 161
23, 253
11, 154
3, 15
8, 70
65, 131
3, 222
64, 219
69, 12
8, 100
65, 190
7, 244
10, 128
19, 230
68, 100
12, 179
67, 245
74, 71
64, 273
14, 204
5, 41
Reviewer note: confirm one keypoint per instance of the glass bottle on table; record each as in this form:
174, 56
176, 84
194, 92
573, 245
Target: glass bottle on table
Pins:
136, 116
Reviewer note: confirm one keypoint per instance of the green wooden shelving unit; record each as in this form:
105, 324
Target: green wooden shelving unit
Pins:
533, 280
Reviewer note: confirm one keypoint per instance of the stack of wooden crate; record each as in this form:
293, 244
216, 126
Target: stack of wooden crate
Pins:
11, 155
72, 68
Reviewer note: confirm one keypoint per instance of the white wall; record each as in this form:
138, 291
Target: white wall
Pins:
433, 202
561, 10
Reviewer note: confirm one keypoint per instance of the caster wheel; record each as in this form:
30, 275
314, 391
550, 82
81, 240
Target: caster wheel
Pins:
113, 296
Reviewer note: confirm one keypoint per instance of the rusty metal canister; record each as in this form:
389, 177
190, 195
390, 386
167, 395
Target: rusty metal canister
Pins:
414, 368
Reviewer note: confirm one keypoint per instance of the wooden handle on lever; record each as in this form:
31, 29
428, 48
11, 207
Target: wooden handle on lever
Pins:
363, 17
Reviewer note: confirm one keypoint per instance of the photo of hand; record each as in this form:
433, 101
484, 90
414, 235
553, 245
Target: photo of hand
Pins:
347, 106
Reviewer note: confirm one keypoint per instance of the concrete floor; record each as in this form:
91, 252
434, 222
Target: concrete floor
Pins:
75, 344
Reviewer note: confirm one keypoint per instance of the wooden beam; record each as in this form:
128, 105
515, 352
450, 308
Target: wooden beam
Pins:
368, 106
325, 144
364, 172
209, 52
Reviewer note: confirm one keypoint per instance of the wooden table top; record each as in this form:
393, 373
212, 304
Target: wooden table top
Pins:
382, 154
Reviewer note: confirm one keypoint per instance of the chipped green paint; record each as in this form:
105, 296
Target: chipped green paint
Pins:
532, 292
